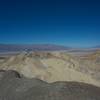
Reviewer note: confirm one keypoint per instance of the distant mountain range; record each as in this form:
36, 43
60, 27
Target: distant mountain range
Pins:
31, 47
97, 46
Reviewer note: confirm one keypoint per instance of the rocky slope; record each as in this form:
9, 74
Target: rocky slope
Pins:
15, 87
52, 66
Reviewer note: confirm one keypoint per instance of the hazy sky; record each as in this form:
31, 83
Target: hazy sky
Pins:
67, 22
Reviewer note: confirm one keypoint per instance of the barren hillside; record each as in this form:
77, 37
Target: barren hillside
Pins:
51, 66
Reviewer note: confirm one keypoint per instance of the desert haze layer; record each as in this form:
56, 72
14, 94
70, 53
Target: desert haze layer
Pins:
59, 65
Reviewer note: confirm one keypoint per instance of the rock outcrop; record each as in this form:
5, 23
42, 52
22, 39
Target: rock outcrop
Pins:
16, 87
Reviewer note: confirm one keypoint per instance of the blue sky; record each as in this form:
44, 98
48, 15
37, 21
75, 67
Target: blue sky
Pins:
66, 22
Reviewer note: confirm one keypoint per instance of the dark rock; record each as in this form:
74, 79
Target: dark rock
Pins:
14, 87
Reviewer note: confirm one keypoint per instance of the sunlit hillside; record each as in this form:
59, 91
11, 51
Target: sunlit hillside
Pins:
53, 66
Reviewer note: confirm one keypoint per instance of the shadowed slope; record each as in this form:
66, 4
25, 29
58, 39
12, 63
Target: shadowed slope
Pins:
14, 87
